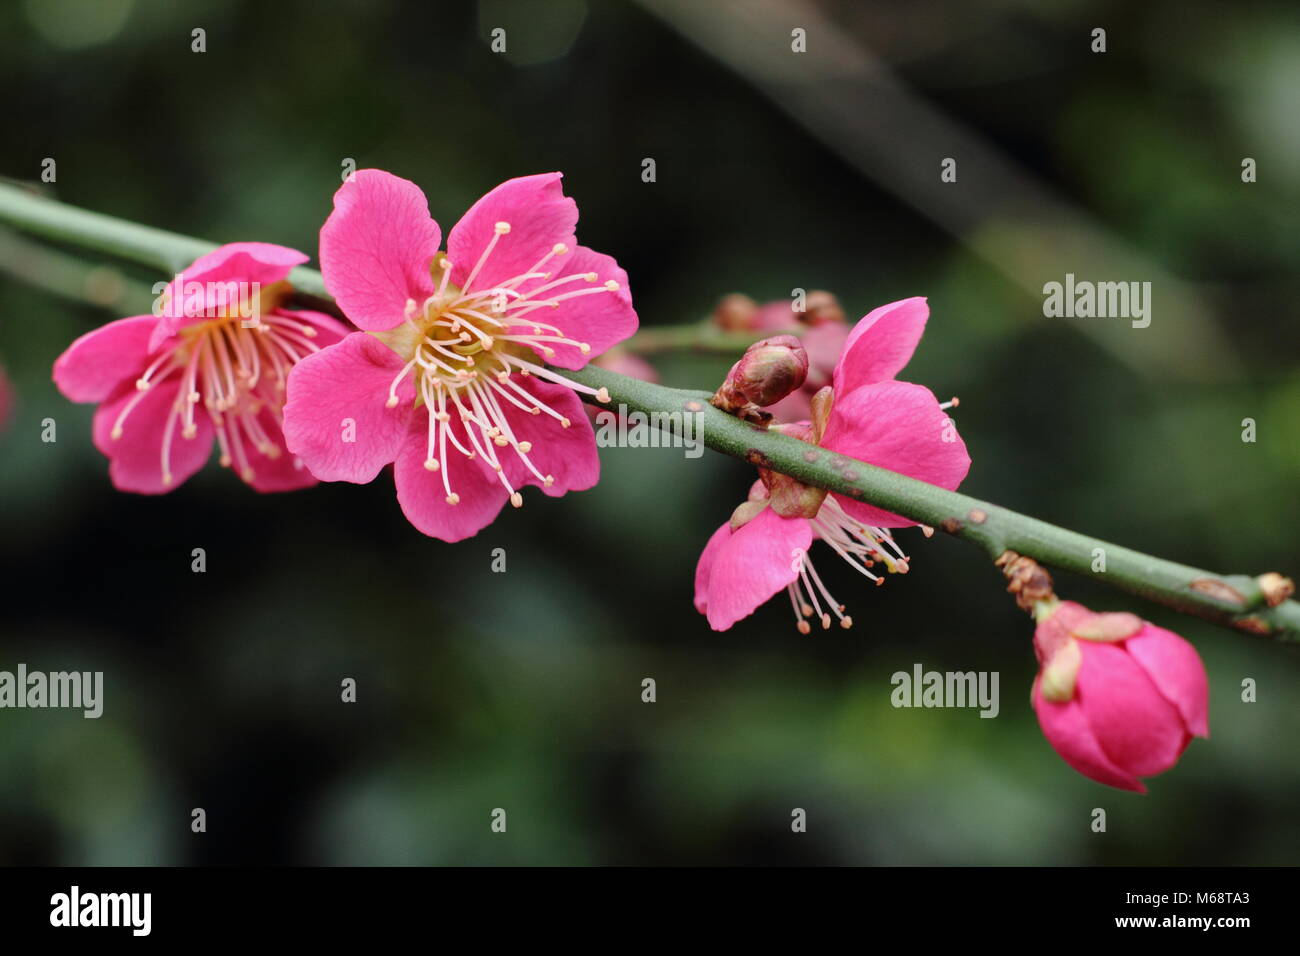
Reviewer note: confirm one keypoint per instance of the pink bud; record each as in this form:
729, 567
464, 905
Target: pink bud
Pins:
1117, 697
770, 369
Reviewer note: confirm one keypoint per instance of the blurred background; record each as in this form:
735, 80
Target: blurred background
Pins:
774, 170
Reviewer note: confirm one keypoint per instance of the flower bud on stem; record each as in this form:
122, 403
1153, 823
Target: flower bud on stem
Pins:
769, 370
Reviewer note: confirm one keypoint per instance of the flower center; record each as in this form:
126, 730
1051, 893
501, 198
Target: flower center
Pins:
860, 545
235, 370
467, 347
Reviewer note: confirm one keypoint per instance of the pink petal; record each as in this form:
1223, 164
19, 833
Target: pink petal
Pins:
881, 344
95, 365
135, 459
597, 319
261, 262
898, 426
1137, 728
1176, 669
539, 214
238, 262
376, 248
824, 344
567, 454
796, 406
423, 496
329, 330
704, 569
752, 565
1067, 730
341, 393
283, 472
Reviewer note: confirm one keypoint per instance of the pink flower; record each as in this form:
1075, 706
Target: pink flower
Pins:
212, 362
446, 380
1117, 697
866, 415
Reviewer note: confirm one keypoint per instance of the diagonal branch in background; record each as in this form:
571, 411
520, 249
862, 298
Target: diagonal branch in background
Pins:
846, 98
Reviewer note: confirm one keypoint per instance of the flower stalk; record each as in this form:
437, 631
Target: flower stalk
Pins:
1255, 605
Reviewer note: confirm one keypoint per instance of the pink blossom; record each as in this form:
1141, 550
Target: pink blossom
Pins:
446, 381
866, 415
1117, 697
212, 362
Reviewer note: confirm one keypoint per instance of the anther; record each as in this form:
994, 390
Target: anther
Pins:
602, 395
517, 500
453, 499
502, 228
432, 464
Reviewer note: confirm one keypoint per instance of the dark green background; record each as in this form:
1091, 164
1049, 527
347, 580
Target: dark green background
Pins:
522, 690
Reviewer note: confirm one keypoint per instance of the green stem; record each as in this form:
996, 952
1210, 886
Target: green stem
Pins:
168, 252
695, 337
1232, 600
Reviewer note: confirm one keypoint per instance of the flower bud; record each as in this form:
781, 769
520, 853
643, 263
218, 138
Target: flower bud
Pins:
735, 313
1117, 697
768, 371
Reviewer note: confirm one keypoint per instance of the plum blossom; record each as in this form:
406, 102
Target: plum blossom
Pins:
1117, 697
863, 414
212, 363
453, 377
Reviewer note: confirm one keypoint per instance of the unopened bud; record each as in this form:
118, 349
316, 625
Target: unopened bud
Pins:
768, 371
1275, 588
735, 313
821, 306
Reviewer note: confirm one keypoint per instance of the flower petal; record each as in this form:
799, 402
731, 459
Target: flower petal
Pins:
598, 319
539, 214
704, 568
1138, 729
753, 564
95, 365
566, 454
899, 426
376, 247
881, 344
282, 471
329, 330
1176, 669
337, 419
423, 496
135, 458
224, 277
1067, 730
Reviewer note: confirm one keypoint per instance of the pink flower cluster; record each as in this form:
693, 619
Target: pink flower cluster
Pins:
455, 376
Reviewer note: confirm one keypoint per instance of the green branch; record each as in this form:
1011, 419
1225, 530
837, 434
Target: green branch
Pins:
1233, 600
